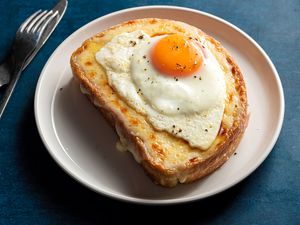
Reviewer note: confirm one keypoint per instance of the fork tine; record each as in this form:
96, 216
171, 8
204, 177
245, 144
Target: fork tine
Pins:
44, 21
28, 20
35, 20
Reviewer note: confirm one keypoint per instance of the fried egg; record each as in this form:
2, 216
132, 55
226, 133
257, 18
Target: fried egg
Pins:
174, 80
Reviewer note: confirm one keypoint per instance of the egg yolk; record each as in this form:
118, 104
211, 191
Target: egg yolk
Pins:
176, 55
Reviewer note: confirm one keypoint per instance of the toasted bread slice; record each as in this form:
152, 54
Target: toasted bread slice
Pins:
167, 159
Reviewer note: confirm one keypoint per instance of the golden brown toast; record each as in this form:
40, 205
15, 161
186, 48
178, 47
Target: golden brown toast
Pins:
167, 159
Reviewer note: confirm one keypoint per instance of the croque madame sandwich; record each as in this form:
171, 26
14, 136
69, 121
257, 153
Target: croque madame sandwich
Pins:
174, 95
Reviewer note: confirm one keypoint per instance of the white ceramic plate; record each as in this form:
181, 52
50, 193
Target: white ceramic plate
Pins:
82, 143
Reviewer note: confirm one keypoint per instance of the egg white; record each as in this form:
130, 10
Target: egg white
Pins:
190, 108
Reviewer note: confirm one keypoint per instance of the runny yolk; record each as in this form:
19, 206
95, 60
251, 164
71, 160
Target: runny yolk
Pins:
176, 55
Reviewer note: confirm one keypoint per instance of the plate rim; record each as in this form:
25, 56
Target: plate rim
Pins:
176, 200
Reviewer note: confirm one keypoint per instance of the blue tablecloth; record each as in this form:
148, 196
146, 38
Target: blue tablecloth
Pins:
35, 190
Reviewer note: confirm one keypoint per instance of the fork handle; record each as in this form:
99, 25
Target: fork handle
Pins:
10, 87
6, 68
4, 73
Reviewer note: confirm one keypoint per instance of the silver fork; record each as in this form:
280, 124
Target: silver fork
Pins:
25, 43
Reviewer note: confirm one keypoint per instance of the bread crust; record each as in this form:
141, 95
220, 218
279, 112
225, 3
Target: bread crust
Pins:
151, 153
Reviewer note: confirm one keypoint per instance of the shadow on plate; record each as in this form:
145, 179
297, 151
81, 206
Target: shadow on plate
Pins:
90, 142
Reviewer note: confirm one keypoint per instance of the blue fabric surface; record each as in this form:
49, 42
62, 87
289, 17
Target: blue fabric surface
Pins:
35, 190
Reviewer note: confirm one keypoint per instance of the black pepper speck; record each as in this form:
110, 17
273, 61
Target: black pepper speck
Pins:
133, 43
